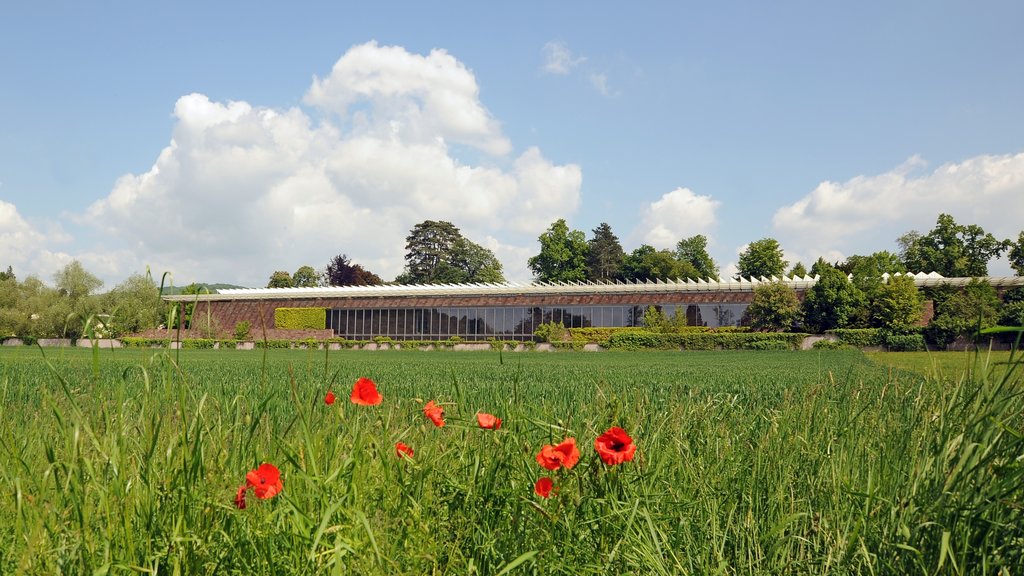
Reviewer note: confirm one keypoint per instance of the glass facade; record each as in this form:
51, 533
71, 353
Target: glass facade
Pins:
508, 322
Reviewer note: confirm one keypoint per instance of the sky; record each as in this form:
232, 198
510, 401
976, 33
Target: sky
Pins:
221, 141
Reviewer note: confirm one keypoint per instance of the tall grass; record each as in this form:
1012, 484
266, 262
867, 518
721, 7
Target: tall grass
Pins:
748, 463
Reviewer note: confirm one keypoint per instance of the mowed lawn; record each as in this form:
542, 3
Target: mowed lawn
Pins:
130, 461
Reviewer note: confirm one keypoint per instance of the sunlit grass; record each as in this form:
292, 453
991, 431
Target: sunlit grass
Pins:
747, 462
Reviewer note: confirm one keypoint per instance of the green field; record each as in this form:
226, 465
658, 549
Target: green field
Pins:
128, 461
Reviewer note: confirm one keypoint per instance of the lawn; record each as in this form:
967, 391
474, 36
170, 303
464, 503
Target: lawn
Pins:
130, 461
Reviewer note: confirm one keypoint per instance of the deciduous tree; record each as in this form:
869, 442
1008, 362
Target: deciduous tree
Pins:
342, 272
1016, 255
951, 249
833, 300
774, 307
305, 277
563, 255
762, 258
897, 306
280, 279
694, 251
646, 263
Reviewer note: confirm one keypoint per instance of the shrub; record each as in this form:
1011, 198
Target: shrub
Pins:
242, 330
828, 345
198, 343
550, 331
768, 345
774, 307
705, 341
858, 337
905, 342
300, 318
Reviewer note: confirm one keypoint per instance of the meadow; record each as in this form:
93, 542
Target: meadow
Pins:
817, 462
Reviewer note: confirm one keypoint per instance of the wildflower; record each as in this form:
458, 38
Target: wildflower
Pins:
329, 399
265, 481
240, 497
615, 446
564, 455
403, 450
543, 487
364, 393
488, 421
435, 413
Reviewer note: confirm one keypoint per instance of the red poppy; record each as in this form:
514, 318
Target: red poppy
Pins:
240, 497
435, 413
403, 449
543, 487
488, 421
615, 446
563, 455
265, 481
329, 399
364, 393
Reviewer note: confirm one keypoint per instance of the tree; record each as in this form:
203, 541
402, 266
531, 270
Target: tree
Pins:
342, 272
951, 249
563, 255
438, 253
868, 276
694, 250
1016, 255
280, 279
604, 255
798, 270
964, 312
775, 307
833, 300
75, 282
646, 263
762, 258
9, 275
897, 307
133, 305
304, 277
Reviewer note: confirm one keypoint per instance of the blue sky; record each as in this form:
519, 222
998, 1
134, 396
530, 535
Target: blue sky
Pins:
221, 141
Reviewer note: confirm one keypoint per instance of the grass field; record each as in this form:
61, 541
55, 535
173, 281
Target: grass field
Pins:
128, 462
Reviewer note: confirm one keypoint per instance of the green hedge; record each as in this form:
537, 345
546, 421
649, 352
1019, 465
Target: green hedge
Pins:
706, 341
300, 318
905, 342
859, 337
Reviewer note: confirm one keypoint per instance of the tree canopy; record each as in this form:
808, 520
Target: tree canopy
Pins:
694, 251
305, 277
342, 272
563, 255
646, 263
774, 307
951, 249
832, 302
438, 253
604, 255
1016, 255
762, 258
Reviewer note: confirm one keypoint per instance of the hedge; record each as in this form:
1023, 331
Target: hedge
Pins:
300, 318
858, 337
706, 341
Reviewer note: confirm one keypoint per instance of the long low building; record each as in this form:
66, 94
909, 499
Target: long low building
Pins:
506, 311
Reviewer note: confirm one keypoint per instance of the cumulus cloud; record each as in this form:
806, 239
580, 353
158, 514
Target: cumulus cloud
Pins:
243, 190
678, 214
558, 59
19, 240
868, 213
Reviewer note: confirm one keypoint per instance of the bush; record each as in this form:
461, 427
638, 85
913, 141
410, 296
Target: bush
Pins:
300, 318
858, 337
242, 330
905, 342
768, 345
198, 343
828, 345
705, 341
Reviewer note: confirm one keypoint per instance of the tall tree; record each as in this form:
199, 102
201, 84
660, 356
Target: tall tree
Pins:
428, 248
951, 249
774, 307
280, 279
897, 308
604, 255
694, 250
1016, 255
832, 302
342, 272
798, 270
9, 275
563, 255
304, 277
75, 282
647, 263
474, 263
762, 258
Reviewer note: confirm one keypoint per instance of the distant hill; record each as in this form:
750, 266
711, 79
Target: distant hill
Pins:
213, 288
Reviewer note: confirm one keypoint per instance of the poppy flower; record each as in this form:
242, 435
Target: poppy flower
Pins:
435, 413
403, 449
488, 421
364, 393
265, 481
615, 446
543, 487
329, 399
240, 497
563, 455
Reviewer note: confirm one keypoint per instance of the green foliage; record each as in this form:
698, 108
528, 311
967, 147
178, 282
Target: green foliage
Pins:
647, 264
951, 249
859, 337
599, 335
964, 313
342, 272
828, 345
897, 305
762, 258
550, 332
1012, 314
703, 340
134, 305
74, 282
8, 275
438, 253
563, 255
305, 277
300, 318
280, 279
198, 343
604, 255
242, 330
774, 307
1016, 255
694, 251
798, 270
905, 342
832, 302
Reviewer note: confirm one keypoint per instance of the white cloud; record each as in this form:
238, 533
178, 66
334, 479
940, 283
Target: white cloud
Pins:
242, 190
868, 213
676, 215
558, 59
600, 83
19, 240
